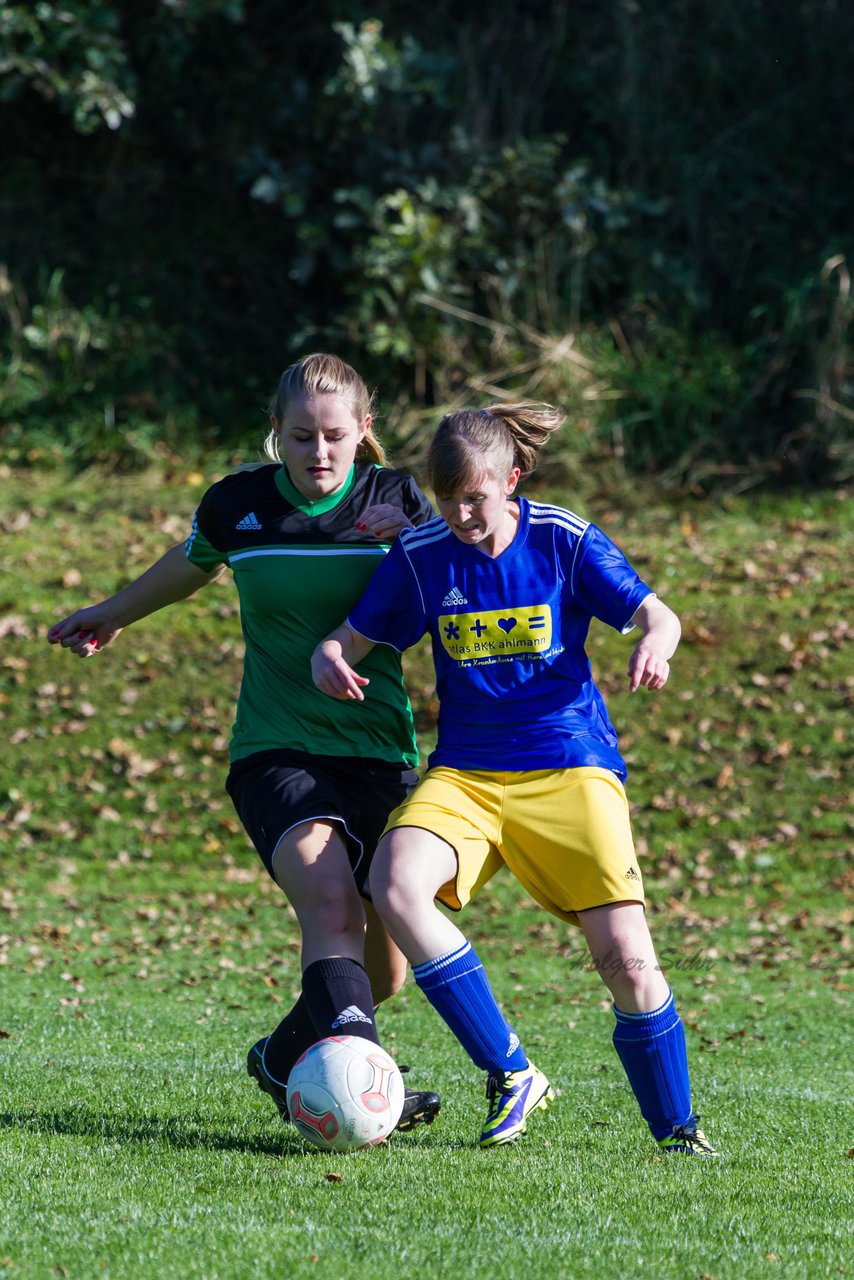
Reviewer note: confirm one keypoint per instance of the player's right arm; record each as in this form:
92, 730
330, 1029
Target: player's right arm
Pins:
333, 661
390, 612
173, 577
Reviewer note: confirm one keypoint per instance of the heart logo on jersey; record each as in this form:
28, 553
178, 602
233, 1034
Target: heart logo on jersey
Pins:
507, 625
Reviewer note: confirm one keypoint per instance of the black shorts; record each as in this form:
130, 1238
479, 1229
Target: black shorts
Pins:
274, 791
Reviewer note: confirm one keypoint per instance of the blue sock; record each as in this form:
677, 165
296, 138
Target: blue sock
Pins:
651, 1047
458, 989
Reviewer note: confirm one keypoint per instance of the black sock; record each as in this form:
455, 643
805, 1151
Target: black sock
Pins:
292, 1037
337, 994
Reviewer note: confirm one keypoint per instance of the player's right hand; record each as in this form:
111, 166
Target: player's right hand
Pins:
334, 676
85, 632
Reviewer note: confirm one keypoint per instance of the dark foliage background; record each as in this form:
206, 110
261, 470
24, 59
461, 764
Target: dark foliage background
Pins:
640, 210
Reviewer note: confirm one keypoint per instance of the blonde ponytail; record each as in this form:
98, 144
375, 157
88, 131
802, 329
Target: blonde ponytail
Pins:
321, 374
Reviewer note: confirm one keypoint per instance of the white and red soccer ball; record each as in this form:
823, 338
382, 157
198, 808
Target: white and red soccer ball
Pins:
345, 1093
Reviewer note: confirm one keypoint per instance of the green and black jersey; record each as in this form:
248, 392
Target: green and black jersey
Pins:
300, 566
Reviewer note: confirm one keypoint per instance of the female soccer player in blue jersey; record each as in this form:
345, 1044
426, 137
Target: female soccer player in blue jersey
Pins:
302, 537
526, 771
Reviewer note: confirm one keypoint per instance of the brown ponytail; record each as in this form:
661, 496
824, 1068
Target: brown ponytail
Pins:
474, 442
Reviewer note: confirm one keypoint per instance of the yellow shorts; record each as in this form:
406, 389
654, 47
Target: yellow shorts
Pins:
564, 833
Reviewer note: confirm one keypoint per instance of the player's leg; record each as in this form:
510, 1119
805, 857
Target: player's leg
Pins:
296, 811
623, 954
384, 961
386, 967
334, 982
567, 837
312, 866
320, 863
410, 867
649, 1036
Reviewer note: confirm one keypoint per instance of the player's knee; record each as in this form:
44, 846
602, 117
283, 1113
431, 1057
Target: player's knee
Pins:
331, 911
381, 893
393, 892
403, 878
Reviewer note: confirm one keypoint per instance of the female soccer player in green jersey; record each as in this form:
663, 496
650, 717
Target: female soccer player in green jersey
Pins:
526, 771
312, 782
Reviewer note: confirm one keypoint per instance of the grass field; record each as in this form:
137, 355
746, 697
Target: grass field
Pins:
142, 949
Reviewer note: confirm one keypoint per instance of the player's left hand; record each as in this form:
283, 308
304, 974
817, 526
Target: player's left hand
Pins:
384, 521
647, 667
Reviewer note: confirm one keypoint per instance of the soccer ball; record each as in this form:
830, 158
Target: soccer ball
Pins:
345, 1093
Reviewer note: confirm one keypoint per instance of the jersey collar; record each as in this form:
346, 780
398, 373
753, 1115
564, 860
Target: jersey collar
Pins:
519, 538
289, 491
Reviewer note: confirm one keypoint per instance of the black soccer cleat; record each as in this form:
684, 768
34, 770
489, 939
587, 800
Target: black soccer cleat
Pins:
418, 1108
255, 1067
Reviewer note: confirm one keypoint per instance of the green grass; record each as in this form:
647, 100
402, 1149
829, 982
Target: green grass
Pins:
142, 949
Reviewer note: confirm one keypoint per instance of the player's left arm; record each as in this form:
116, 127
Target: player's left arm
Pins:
385, 520
649, 664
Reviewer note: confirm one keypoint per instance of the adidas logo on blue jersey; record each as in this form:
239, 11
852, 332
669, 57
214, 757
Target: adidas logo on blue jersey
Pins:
248, 522
453, 597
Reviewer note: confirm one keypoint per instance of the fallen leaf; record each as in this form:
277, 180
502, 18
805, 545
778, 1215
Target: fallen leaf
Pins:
725, 777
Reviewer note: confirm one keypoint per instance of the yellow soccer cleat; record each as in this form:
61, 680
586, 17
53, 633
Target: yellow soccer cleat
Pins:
687, 1139
512, 1096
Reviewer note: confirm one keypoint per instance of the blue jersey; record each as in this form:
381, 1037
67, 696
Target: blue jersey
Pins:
512, 675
